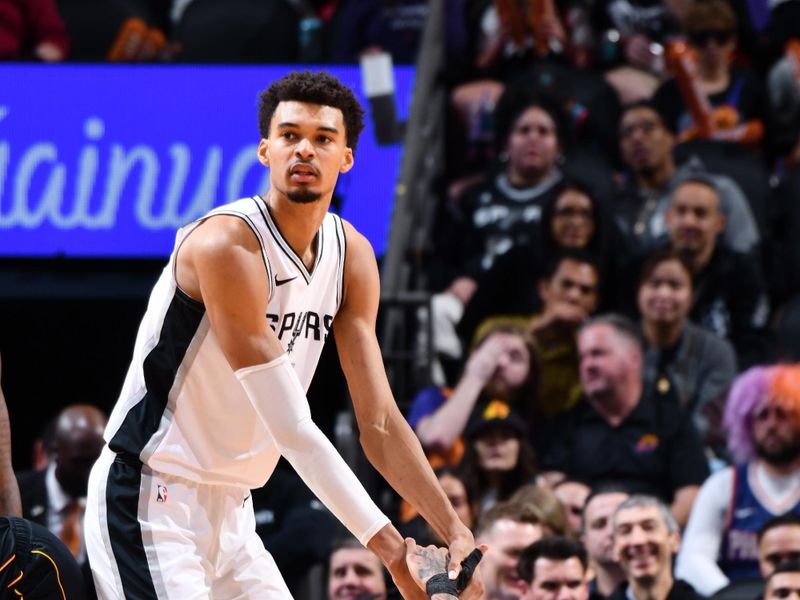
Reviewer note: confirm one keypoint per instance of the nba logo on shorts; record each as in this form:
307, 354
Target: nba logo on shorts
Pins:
161, 493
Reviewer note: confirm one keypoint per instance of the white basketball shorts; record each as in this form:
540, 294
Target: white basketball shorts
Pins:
153, 536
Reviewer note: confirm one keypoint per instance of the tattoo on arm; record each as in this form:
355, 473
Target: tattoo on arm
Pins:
432, 563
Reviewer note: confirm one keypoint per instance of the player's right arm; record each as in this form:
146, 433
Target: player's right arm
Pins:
220, 264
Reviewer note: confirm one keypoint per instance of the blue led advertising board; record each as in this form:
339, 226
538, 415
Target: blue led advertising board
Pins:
108, 160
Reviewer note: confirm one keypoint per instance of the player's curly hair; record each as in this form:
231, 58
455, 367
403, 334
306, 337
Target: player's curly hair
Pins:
316, 88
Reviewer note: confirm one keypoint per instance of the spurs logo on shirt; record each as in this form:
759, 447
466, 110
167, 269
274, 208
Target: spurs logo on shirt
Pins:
180, 440
308, 325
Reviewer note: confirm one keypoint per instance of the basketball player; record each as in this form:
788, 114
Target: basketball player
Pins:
216, 390
34, 564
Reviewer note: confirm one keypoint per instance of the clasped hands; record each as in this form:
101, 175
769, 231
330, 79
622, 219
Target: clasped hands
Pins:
432, 570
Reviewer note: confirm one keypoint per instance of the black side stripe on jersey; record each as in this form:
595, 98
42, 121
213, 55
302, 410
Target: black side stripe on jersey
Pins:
125, 532
286, 248
160, 367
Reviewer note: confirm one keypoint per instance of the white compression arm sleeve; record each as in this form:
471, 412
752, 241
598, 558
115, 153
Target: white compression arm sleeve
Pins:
278, 398
697, 558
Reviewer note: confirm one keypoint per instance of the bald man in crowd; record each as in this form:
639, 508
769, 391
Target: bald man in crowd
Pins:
56, 497
35, 564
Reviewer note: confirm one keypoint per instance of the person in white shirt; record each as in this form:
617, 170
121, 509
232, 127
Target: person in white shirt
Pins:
762, 417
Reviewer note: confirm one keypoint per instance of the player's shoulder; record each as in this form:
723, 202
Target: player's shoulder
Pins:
221, 235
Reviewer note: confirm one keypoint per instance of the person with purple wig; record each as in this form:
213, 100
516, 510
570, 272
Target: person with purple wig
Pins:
762, 418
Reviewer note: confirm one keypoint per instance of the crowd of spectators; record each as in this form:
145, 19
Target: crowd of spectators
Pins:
614, 276
207, 31
621, 180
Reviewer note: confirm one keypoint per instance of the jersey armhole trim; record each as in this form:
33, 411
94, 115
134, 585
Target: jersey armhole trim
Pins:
244, 217
341, 241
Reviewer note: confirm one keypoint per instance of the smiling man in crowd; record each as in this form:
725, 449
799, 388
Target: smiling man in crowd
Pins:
646, 537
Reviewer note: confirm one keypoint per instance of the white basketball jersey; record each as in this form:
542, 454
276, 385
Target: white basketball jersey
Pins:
181, 410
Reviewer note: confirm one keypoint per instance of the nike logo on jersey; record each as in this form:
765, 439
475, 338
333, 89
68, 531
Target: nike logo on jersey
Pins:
279, 282
743, 513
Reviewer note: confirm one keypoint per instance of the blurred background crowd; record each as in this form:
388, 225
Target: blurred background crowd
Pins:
591, 308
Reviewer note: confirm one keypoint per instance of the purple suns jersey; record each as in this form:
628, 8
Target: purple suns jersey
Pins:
738, 557
181, 410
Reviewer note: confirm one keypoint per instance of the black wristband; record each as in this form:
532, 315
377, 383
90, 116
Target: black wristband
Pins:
468, 566
441, 584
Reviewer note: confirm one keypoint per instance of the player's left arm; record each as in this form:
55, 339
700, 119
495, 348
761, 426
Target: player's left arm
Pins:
388, 441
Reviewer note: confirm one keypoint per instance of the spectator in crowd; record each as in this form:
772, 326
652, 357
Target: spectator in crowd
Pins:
630, 36
578, 219
56, 497
573, 223
507, 529
784, 582
699, 364
502, 366
710, 27
572, 494
730, 296
646, 144
597, 537
32, 30
541, 501
498, 458
501, 212
456, 492
504, 210
784, 104
355, 572
490, 54
373, 25
295, 527
622, 432
554, 568
35, 563
569, 294
205, 31
646, 536
762, 417
778, 542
